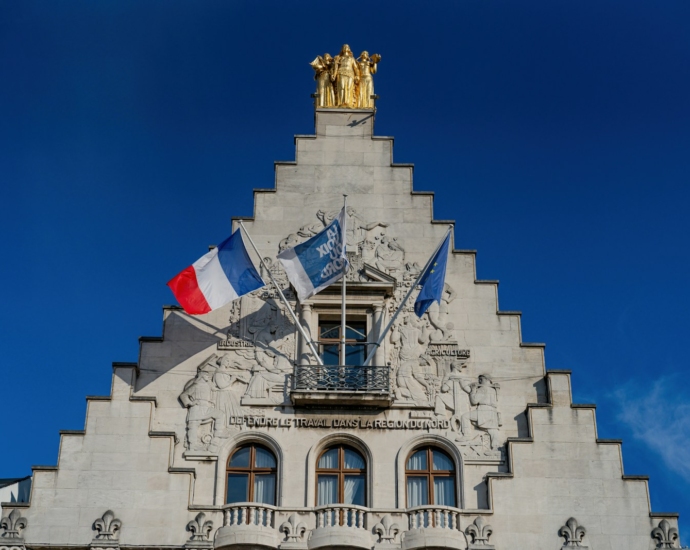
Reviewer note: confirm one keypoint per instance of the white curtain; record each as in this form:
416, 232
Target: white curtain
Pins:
265, 488
444, 491
353, 460
417, 461
442, 462
327, 490
354, 490
329, 459
417, 491
264, 459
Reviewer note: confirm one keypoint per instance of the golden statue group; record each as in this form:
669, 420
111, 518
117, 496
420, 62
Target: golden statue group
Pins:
345, 81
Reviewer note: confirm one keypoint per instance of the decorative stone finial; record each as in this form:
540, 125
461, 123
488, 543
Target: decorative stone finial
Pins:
479, 531
665, 535
573, 533
13, 524
108, 527
201, 529
386, 529
293, 528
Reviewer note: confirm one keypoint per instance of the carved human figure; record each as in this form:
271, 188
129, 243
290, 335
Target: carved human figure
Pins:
452, 394
358, 229
439, 315
484, 396
427, 375
274, 342
389, 255
323, 67
367, 67
199, 399
410, 339
346, 76
228, 372
271, 374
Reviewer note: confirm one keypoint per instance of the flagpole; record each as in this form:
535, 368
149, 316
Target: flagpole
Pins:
307, 339
343, 319
407, 297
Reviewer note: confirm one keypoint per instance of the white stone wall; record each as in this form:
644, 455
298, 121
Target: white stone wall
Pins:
132, 458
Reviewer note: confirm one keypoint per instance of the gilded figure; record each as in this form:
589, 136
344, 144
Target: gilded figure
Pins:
323, 68
346, 76
365, 89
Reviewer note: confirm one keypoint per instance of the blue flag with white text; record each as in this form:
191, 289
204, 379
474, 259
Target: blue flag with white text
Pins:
318, 262
433, 280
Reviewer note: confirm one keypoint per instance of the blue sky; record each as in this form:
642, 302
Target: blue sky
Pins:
555, 133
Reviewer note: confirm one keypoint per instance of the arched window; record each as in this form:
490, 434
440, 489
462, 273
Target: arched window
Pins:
430, 476
252, 475
341, 477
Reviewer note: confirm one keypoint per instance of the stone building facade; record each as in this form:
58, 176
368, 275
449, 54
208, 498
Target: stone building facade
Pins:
226, 434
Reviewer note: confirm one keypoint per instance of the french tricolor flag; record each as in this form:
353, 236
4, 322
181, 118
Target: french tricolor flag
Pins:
217, 278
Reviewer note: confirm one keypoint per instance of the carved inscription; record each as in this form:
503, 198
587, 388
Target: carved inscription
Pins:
345, 423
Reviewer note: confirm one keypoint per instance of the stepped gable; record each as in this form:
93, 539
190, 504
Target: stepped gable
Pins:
521, 465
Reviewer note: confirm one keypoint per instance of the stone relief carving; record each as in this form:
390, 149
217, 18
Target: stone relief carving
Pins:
293, 528
201, 529
665, 535
424, 355
573, 533
263, 344
439, 317
485, 416
386, 530
479, 532
13, 524
253, 366
209, 404
409, 340
108, 528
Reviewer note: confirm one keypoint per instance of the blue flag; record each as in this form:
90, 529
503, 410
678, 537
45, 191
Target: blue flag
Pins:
433, 280
316, 263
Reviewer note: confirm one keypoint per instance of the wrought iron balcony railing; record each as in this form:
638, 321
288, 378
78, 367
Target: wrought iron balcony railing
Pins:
347, 379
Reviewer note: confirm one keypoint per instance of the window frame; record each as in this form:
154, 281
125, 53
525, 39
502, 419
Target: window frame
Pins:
251, 470
351, 318
341, 472
430, 474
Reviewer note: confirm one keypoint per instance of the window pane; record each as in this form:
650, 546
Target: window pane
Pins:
356, 331
442, 461
329, 355
329, 459
355, 354
329, 330
354, 490
417, 461
444, 491
240, 459
264, 458
327, 490
417, 491
265, 488
237, 487
353, 460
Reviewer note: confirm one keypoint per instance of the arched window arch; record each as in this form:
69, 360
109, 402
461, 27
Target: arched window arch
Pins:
341, 476
251, 475
430, 477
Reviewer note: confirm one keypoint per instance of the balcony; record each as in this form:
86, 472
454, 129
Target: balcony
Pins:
252, 526
341, 526
341, 385
248, 524
434, 527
